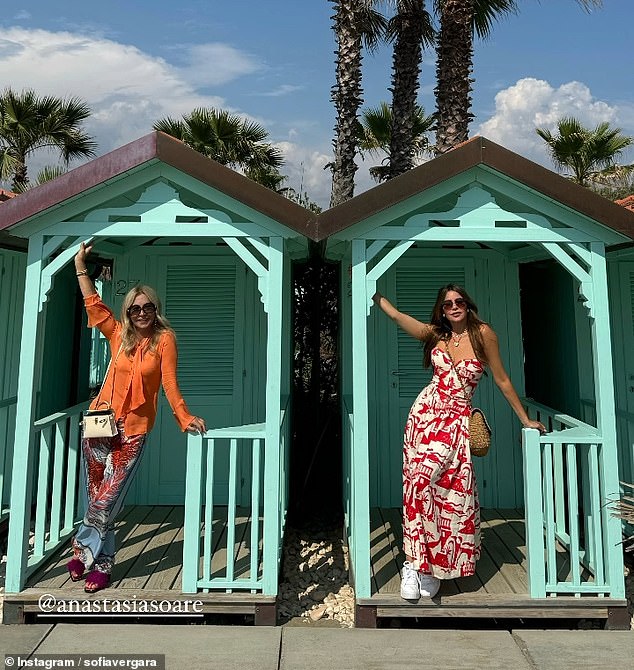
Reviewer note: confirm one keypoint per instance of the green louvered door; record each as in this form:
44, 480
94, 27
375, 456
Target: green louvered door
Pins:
202, 295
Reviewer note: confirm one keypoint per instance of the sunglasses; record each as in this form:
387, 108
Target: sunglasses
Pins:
460, 303
148, 308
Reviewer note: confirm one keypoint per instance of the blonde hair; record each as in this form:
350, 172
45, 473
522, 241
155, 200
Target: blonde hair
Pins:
129, 337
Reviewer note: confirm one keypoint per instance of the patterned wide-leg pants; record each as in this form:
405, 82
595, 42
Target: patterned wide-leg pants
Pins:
109, 466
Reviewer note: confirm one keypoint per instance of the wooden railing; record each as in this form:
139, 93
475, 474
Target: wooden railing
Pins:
567, 515
54, 508
200, 492
625, 442
7, 429
56, 468
244, 447
624, 436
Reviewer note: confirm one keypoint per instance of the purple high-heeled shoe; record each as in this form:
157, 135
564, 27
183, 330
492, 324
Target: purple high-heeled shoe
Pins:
75, 569
99, 580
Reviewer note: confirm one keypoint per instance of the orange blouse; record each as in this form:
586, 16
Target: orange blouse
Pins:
132, 384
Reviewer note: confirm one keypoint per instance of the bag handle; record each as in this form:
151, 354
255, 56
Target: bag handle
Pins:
103, 383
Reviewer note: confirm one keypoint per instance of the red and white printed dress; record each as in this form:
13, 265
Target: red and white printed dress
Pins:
441, 516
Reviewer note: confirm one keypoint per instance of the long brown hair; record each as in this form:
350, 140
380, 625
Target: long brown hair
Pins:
442, 328
129, 337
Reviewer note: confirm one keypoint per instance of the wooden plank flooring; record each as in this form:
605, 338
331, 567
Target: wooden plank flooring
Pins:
498, 589
149, 542
149, 566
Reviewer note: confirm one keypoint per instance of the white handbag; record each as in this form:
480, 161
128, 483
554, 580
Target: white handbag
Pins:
101, 422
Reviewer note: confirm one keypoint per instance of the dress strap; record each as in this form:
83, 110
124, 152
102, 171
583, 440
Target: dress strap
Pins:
458, 377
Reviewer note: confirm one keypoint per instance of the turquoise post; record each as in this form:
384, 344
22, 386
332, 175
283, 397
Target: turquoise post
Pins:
533, 511
191, 530
606, 418
360, 458
272, 523
22, 477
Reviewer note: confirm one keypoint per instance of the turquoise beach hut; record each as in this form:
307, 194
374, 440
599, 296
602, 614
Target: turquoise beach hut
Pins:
206, 514
530, 247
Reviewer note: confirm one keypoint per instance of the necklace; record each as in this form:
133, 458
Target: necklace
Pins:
456, 338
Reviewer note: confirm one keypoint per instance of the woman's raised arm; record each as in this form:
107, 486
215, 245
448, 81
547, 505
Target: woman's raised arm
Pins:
85, 282
408, 323
99, 315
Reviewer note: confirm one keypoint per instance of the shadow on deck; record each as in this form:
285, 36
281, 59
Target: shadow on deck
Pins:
499, 589
148, 570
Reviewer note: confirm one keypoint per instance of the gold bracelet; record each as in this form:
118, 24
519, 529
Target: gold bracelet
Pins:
81, 273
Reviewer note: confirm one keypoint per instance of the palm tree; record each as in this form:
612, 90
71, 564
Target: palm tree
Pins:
586, 152
355, 23
410, 29
29, 122
47, 173
454, 63
228, 139
454, 60
375, 135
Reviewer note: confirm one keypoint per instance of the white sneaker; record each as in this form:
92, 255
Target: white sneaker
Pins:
410, 589
428, 585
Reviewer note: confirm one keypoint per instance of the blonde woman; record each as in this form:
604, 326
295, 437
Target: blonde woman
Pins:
144, 357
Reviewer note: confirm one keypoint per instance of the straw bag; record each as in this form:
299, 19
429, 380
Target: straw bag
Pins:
479, 429
479, 433
100, 422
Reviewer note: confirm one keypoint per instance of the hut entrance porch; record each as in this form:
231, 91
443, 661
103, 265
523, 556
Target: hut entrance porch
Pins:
148, 575
499, 589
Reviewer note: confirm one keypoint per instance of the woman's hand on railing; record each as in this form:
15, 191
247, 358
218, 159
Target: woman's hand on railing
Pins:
197, 426
535, 424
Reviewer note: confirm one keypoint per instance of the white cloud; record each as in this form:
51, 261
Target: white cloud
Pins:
304, 168
126, 88
284, 89
217, 63
532, 103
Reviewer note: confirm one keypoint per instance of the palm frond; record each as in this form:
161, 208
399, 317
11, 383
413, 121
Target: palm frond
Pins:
229, 139
582, 150
624, 509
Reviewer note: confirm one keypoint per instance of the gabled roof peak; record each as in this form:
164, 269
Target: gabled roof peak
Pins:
154, 147
157, 146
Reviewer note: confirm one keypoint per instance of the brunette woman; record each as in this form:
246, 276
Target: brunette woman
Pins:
144, 357
441, 516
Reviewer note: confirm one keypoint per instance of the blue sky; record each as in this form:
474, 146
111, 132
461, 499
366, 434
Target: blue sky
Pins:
136, 61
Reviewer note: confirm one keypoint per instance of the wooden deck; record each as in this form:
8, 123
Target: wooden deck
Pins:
149, 568
149, 542
498, 590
